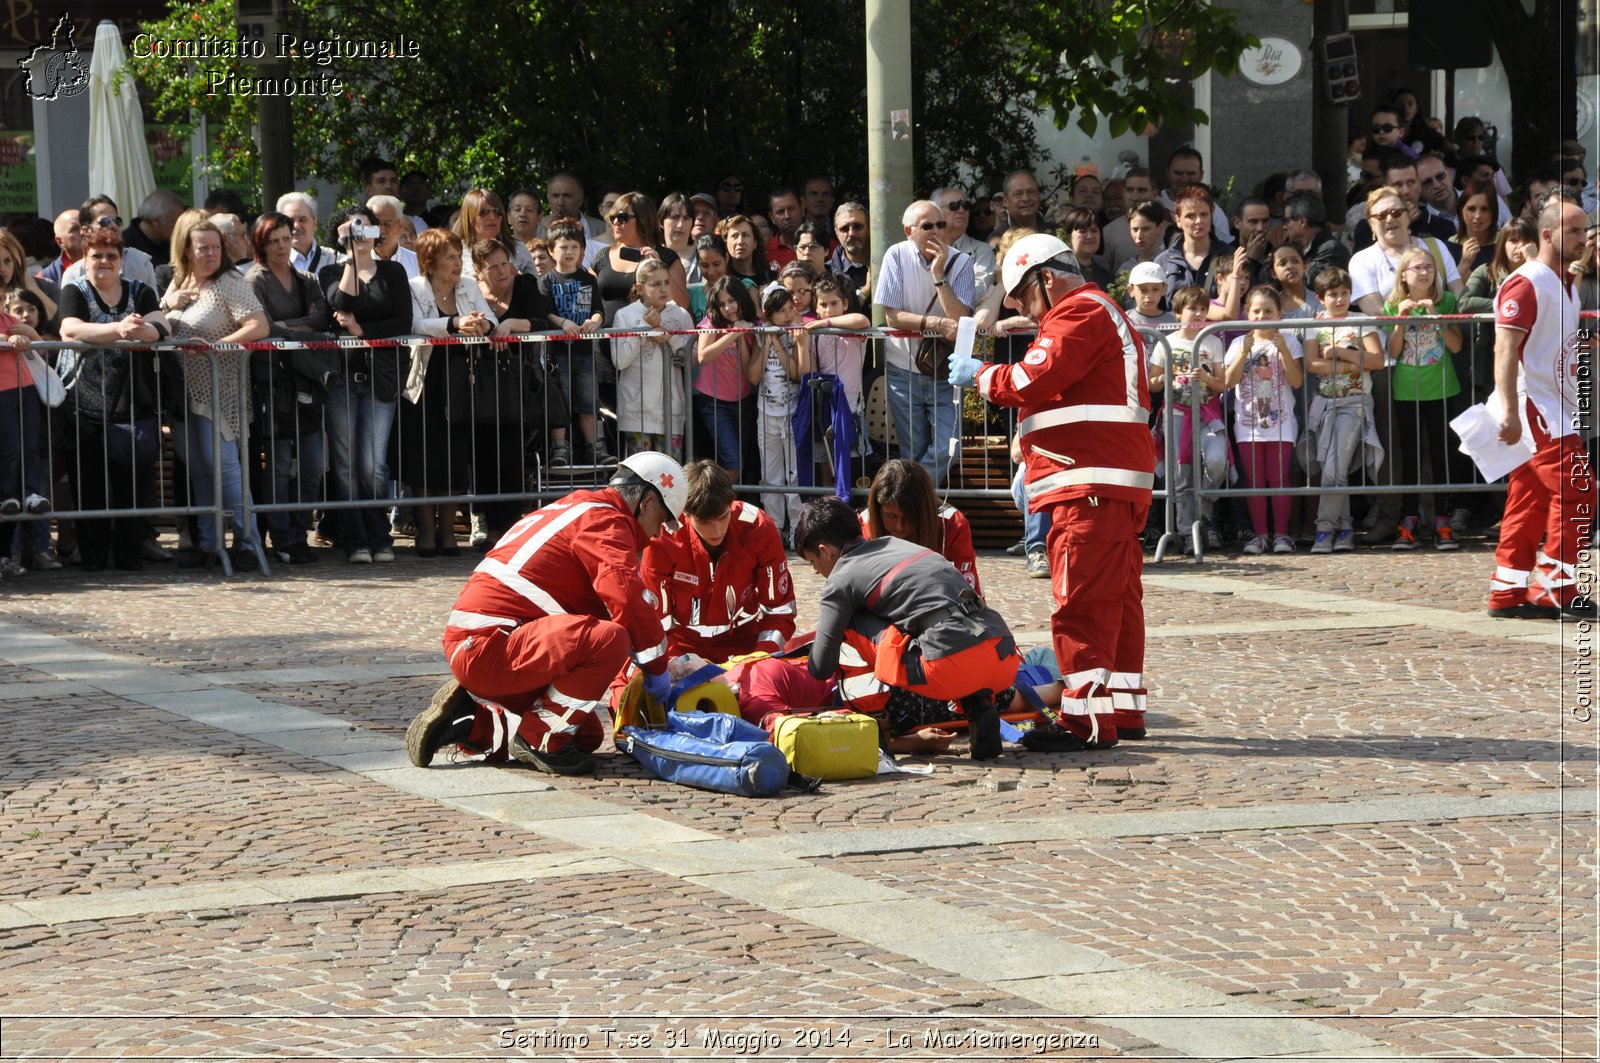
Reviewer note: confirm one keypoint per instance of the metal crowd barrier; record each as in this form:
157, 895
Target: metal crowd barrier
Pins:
472, 457
1467, 370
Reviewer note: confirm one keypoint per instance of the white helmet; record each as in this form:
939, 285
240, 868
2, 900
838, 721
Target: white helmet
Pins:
1031, 251
659, 471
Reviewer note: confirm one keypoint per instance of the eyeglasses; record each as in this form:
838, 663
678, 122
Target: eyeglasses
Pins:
491, 212
730, 186
929, 226
1388, 215
799, 291
1440, 178
1420, 267
110, 222
1573, 182
851, 227
1385, 127
958, 204
622, 217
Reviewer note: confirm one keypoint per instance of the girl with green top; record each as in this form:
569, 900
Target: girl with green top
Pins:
1424, 380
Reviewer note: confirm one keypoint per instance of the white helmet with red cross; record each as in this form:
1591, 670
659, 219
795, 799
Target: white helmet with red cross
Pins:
1032, 251
660, 472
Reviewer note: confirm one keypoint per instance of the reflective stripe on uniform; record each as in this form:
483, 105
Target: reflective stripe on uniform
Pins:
544, 534
1098, 705
1096, 412
648, 655
1090, 476
471, 621
1101, 676
516, 581
1126, 681
1508, 579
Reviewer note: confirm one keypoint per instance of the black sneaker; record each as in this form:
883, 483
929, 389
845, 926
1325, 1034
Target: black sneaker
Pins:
299, 554
446, 721
1526, 611
566, 761
1048, 738
1582, 607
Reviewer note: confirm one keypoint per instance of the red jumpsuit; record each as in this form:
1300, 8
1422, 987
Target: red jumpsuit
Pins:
1090, 460
1550, 498
739, 602
546, 621
955, 543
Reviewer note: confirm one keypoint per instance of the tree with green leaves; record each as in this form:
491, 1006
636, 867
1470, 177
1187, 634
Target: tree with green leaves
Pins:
671, 95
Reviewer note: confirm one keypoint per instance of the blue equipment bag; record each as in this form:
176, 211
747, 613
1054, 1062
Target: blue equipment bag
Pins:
711, 751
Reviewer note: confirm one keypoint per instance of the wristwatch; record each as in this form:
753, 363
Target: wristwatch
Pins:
941, 284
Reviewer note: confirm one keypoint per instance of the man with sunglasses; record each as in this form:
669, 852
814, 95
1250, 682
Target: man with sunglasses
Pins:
957, 209
151, 231
1438, 186
924, 286
99, 212
853, 256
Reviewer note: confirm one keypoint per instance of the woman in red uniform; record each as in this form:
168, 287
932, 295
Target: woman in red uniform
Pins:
902, 502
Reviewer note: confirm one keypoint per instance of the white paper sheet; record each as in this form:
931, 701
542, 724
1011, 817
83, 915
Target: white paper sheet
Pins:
1479, 429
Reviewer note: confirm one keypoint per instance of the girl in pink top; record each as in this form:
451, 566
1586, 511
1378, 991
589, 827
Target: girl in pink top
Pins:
729, 366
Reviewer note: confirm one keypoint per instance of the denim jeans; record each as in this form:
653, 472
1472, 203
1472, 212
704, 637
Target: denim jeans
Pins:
358, 460
924, 416
297, 464
202, 467
1035, 526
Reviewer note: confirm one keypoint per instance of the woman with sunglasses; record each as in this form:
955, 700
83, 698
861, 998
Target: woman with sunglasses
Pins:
1373, 269
483, 217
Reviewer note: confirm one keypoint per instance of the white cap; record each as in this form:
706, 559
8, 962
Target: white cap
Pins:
1147, 273
662, 473
1031, 251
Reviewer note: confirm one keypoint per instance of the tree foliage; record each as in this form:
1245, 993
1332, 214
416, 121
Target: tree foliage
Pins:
675, 94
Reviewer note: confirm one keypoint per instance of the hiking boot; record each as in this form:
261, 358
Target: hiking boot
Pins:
600, 453
983, 725
1323, 543
1038, 565
569, 760
560, 454
446, 721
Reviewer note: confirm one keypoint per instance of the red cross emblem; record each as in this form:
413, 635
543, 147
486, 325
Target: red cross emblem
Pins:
1022, 259
666, 480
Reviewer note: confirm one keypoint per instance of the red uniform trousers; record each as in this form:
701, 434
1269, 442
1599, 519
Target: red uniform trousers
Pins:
1098, 625
1549, 498
542, 680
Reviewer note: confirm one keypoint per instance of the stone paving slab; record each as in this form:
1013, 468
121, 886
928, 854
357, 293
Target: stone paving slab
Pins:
1432, 919
624, 945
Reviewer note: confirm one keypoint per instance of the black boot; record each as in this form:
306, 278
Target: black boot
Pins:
983, 724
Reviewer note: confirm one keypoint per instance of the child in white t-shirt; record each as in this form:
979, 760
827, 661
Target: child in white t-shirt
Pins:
1264, 369
1340, 422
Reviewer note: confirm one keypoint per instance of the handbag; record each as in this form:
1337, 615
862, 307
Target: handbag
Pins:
488, 386
51, 391
933, 352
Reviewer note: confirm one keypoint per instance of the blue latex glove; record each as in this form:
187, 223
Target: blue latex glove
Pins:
658, 685
964, 370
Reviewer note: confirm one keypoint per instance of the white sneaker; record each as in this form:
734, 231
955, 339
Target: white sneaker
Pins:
1283, 545
480, 532
37, 504
383, 554
1323, 543
1458, 520
1258, 545
360, 556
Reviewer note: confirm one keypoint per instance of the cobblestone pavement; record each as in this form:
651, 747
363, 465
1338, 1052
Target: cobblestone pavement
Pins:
1363, 827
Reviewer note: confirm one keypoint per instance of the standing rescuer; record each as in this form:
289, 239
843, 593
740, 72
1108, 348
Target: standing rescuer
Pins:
548, 619
1090, 462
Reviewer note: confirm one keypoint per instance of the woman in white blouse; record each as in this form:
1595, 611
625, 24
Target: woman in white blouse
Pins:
436, 425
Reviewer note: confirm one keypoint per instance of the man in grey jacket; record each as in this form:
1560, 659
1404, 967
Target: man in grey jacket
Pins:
934, 635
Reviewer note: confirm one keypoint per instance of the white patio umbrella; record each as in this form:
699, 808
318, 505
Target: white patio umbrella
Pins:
119, 160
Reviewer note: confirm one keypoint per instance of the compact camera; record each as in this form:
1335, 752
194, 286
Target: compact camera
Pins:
362, 231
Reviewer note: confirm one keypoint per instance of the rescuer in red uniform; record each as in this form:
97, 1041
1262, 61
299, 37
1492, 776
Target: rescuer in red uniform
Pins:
1090, 461
722, 578
548, 619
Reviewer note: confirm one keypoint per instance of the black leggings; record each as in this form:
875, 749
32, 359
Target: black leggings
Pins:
1423, 427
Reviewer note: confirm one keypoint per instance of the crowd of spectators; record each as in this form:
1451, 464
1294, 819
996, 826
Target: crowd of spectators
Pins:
341, 437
